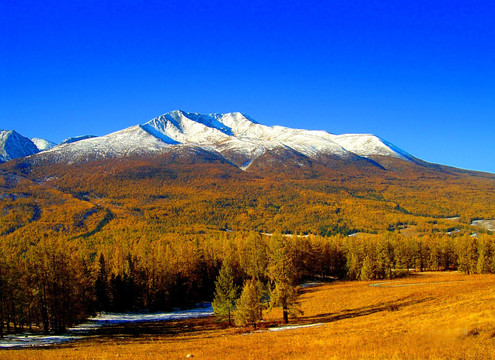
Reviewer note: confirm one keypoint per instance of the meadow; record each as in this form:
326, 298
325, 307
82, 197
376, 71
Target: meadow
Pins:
430, 315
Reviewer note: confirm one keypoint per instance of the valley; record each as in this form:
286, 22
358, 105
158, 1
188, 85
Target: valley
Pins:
149, 217
438, 316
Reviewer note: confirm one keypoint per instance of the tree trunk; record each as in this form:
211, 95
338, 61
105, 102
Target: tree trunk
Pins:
286, 314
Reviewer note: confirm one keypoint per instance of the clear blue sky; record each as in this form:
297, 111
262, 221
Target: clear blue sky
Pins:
420, 74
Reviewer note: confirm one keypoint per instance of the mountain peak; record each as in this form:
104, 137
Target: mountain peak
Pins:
43, 144
14, 145
234, 136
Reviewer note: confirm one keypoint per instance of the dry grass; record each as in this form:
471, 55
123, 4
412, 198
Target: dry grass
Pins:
443, 316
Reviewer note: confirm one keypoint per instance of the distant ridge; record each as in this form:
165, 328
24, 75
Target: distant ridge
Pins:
235, 137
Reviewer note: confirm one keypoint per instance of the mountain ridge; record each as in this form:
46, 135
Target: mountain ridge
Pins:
236, 137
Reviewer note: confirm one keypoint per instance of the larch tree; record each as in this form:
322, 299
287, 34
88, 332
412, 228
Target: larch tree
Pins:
248, 305
282, 273
225, 292
254, 262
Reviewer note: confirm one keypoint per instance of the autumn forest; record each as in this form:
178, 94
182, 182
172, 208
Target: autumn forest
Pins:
161, 233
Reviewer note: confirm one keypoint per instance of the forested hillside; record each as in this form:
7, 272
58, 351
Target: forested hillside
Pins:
152, 232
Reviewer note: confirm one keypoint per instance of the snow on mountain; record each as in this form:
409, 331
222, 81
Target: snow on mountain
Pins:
13, 145
367, 145
130, 141
232, 136
43, 144
235, 134
208, 132
77, 138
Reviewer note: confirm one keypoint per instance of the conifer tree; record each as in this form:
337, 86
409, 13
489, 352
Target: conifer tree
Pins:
248, 305
384, 259
101, 286
368, 270
225, 292
254, 262
282, 272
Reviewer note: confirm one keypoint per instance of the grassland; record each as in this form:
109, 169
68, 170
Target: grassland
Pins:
425, 316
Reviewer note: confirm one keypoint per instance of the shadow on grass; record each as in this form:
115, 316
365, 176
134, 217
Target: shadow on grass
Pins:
362, 311
161, 328
208, 327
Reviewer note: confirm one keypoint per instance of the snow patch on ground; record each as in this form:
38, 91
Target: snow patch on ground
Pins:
293, 327
103, 320
310, 284
22, 341
485, 224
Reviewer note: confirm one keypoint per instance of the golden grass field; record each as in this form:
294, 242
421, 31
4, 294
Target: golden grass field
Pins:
425, 316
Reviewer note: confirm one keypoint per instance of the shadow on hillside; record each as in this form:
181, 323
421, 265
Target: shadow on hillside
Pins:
362, 311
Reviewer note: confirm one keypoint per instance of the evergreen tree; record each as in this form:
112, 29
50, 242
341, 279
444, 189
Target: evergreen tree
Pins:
101, 286
225, 292
248, 305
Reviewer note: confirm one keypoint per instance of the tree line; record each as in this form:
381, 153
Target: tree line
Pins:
53, 283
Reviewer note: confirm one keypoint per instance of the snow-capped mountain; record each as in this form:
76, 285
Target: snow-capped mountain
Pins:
43, 144
235, 137
13, 145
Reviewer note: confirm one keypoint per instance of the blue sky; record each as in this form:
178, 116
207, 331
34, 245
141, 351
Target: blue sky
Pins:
420, 74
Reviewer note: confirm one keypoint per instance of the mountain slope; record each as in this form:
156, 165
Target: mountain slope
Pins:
131, 141
225, 171
43, 144
73, 139
13, 145
240, 140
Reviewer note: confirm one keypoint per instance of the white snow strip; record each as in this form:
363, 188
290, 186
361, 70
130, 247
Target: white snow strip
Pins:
21, 341
293, 327
104, 319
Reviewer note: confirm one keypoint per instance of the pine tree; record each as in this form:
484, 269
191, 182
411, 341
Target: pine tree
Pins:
225, 292
248, 305
101, 286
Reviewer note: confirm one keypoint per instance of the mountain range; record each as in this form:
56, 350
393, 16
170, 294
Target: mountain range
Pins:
208, 173
232, 137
